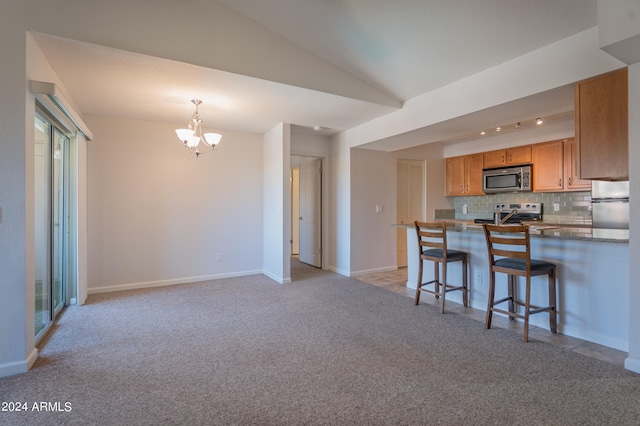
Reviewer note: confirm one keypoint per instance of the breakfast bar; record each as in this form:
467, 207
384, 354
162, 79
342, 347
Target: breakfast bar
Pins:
592, 276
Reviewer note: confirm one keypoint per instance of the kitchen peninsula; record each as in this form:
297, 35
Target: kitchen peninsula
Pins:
592, 276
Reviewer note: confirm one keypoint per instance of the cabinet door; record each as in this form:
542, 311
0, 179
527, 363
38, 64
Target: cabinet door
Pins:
473, 174
455, 176
548, 166
519, 155
572, 180
602, 126
493, 159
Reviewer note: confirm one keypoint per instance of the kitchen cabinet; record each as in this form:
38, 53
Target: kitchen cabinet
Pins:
507, 157
602, 128
553, 167
548, 166
572, 179
464, 175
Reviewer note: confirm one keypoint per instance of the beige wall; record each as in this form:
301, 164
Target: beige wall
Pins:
159, 215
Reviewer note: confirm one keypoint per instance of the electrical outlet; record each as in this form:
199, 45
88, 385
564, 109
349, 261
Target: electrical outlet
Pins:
465, 209
218, 257
478, 279
556, 207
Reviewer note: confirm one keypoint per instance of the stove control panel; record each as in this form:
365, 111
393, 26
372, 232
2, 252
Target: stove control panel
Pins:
534, 208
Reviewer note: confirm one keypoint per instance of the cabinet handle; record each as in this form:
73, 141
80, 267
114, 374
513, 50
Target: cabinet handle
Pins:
503, 158
560, 182
461, 188
569, 181
510, 158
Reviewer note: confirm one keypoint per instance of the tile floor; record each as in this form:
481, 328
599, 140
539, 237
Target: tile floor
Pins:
396, 281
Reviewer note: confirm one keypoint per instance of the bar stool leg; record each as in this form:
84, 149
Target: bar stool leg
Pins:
527, 309
512, 282
444, 286
492, 279
416, 299
553, 313
465, 285
436, 277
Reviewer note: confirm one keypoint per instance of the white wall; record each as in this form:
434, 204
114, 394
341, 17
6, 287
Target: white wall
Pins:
159, 215
340, 206
15, 344
277, 204
373, 183
620, 35
433, 154
556, 65
17, 228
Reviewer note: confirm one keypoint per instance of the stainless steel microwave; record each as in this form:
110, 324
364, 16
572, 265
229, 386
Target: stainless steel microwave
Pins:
508, 179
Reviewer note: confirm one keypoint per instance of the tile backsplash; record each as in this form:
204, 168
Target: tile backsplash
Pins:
573, 207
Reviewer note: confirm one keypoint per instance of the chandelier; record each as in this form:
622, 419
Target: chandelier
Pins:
193, 138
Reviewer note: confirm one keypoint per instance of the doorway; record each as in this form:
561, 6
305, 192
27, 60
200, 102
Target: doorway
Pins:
306, 210
411, 201
52, 213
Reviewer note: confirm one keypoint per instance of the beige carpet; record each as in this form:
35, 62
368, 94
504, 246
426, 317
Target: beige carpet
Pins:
324, 350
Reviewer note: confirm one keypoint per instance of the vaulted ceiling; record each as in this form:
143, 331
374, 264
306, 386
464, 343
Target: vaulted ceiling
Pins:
329, 63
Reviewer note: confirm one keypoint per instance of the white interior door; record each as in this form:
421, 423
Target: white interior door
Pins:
410, 201
310, 222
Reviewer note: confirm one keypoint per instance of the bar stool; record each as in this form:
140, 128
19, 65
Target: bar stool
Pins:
432, 245
510, 253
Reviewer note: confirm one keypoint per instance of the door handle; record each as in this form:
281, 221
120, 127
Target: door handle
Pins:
300, 218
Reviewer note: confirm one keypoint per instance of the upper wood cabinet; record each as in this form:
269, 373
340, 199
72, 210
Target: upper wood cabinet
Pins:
553, 167
602, 129
464, 175
572, 179
548, 166
507, 157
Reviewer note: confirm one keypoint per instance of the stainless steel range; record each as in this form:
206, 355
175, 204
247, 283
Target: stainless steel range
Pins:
515, 213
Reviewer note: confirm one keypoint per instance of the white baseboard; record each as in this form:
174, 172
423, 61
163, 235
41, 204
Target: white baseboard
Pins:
632, 364
277, 279
18, 367
162, 283
339, 271
373, 271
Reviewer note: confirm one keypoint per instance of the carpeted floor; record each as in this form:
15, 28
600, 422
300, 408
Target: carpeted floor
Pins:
323, 350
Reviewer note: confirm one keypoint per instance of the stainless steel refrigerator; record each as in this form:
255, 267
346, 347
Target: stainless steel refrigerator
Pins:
610, 204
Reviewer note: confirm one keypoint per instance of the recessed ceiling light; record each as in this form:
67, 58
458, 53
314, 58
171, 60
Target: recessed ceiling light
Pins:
482, 132
538, 121
317, 128
498, 129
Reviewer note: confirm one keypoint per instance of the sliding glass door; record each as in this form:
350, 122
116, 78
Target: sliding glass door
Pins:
51, 221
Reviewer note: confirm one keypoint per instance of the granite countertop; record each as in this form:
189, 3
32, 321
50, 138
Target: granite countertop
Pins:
547, 230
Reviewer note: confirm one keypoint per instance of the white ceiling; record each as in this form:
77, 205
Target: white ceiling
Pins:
399, 49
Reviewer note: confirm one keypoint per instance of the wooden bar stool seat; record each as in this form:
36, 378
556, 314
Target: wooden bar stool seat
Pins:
432, 245
510, 253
